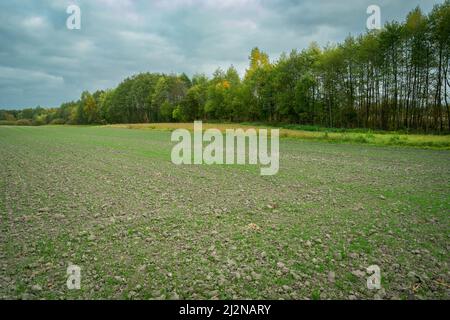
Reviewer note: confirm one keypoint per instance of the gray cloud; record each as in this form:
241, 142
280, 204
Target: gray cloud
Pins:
44, 63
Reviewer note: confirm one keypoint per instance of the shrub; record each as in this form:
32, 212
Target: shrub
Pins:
394, 139
7, 123
23, 122
58, 121
361, 139
38, 122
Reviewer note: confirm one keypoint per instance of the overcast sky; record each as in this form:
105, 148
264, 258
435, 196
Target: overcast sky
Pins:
44, 63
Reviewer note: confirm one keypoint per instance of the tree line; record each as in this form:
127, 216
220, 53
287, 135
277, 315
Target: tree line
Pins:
396, 78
